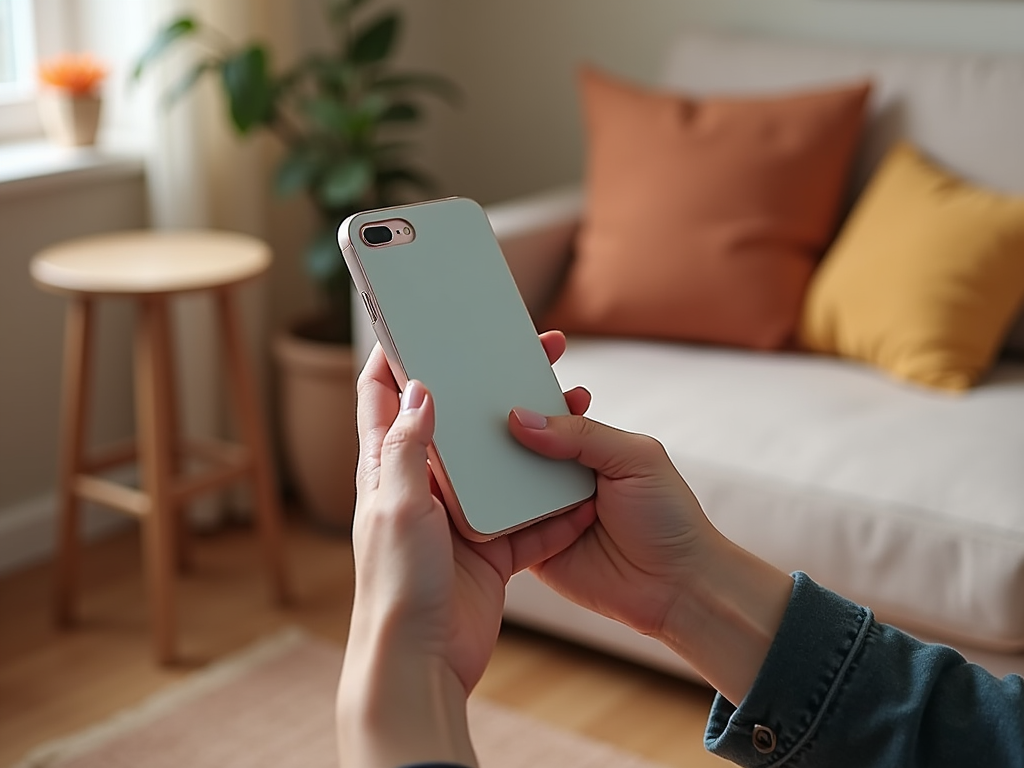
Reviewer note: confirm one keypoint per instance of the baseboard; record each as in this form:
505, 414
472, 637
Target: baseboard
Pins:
28, 529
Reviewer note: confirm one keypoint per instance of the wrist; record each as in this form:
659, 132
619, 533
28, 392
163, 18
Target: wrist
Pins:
398, 705
726, 615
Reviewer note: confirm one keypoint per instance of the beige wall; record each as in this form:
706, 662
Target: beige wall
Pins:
32, 330
516, 60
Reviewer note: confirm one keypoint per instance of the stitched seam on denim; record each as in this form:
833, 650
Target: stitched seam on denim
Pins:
718, 724
833, 691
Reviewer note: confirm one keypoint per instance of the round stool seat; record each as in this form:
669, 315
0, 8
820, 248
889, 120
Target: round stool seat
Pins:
151, 268
150, 261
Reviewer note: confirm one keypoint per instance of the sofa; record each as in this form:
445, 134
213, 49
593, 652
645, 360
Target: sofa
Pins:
907, 500
904, 499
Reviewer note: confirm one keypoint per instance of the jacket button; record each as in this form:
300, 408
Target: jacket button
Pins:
764, 739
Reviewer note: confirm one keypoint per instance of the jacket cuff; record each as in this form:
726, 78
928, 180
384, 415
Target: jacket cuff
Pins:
820, 636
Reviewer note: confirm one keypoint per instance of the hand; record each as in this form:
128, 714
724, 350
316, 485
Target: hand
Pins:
428, 603
649, 531
653, 561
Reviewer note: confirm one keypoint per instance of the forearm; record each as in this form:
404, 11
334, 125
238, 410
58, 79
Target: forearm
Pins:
397, 706
726, 616
839, 689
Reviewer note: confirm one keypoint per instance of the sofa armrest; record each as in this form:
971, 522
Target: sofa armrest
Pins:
536, 234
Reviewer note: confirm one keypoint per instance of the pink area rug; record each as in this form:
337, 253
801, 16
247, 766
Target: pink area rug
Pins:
271, 706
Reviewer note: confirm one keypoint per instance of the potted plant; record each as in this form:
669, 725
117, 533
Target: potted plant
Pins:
343, 116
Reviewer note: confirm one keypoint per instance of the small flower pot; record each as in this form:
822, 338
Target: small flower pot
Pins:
69, 120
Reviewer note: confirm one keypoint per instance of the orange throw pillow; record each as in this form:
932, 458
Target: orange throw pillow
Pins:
704, 218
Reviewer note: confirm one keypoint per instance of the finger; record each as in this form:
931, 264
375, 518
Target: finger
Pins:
612, 452
376, 409
404, 486
578, 401
554, 345
547, 538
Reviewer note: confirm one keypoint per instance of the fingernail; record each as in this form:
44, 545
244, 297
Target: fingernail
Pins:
412, 397
530, 419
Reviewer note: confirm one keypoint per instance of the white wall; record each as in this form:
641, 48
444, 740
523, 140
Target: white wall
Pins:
520, 129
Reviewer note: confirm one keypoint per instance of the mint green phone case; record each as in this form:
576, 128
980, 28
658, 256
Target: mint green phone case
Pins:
449, 306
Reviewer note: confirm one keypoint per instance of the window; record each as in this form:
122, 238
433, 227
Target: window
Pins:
29, 30
17, 50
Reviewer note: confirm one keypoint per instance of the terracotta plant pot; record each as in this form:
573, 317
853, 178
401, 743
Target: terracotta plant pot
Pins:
68, 120
317, 410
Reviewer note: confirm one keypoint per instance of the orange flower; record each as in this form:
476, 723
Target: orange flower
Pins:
79, 75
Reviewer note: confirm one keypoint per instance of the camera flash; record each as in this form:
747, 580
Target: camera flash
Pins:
406, 231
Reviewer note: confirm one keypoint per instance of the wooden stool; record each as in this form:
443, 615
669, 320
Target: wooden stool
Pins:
151, 267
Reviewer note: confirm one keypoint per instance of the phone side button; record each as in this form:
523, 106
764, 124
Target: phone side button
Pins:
368, 302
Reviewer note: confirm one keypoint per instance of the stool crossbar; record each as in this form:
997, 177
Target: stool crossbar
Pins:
151, 267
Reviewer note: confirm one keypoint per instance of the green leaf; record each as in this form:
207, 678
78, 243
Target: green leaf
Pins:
249, 89
323, 257
184, 85
437, 85
374, 43
366, 117
347, 182
332, 76
337, 119
401, 112
297, 171
329, 114
373, 105
177, 29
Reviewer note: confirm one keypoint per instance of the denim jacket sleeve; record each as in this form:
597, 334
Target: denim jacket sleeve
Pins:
839, 689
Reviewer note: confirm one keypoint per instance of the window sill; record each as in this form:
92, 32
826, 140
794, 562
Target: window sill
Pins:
34, 167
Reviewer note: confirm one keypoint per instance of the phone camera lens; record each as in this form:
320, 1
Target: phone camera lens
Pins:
377, 235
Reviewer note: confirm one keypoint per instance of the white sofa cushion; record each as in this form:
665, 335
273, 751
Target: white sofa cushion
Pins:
905, 499
964, 110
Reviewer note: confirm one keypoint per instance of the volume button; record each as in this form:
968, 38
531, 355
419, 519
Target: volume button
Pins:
368, 303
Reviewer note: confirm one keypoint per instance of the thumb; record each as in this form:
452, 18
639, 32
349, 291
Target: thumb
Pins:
611, 452
404, 450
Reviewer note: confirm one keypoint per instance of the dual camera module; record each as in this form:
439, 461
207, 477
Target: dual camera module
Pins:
393, 232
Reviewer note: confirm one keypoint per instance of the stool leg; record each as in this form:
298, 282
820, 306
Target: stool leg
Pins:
153, 382
182, 533
249, 420
74, 420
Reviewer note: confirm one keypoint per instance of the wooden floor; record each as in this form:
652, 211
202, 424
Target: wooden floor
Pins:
53, 683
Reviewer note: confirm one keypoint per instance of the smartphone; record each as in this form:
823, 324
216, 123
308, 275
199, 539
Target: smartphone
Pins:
447, 312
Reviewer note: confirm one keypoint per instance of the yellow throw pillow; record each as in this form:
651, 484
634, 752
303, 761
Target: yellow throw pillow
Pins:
925, 278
